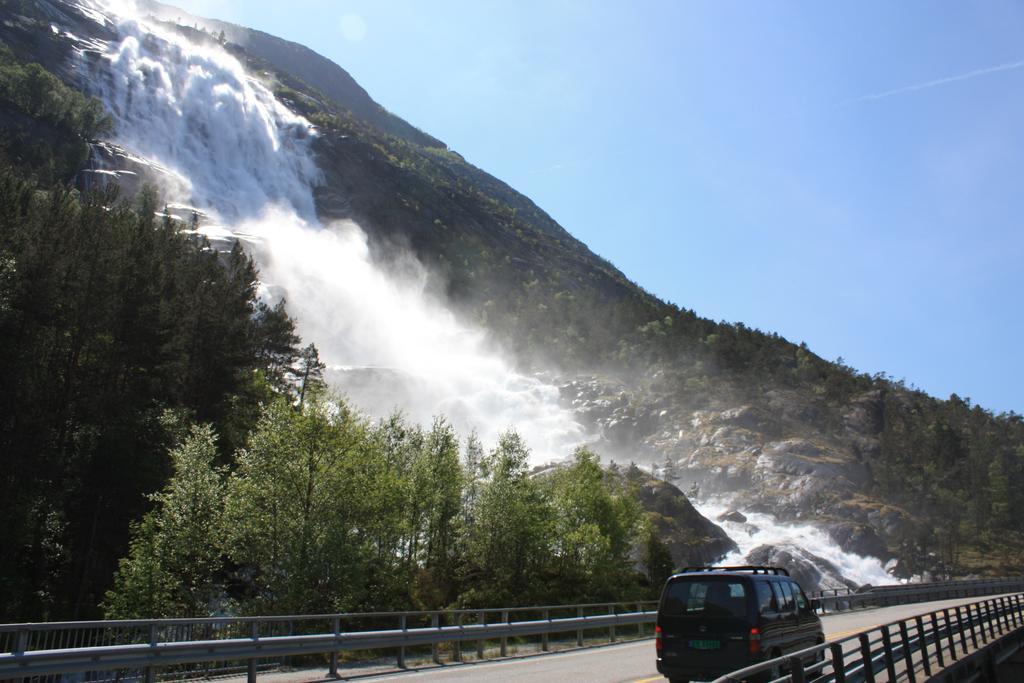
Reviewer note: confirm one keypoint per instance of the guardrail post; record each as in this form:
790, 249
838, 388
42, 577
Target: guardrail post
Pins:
336, 626
993, 618
1007, 626
987, 632
21, 641
949, 636
291, 632
796, 670
457, 645
890, 665
960, 623
838, 667
611, 629
865, 655
908, 657
251, 663
481, 618
975, 616
938, 641
150, 671
579, 632
924, 646
404, 625
544, 636
504, 639
640, 626
435, 655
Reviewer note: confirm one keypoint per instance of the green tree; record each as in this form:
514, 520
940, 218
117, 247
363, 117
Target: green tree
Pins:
437, 485
657, 559
294, 509
508, 546
595, 527
175, 562
1000, 494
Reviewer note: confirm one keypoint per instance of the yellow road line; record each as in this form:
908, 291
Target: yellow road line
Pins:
852, 631
649, 680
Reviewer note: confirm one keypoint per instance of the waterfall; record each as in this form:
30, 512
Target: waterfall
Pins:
229, 150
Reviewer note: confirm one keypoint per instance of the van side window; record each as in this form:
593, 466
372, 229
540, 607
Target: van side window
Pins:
780, 600
788, 593
801, 599
766, 602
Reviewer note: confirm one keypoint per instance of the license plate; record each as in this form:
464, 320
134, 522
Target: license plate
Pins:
705, 644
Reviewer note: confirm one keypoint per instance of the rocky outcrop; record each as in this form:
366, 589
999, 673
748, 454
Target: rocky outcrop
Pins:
812, 572
859, 539
693, 539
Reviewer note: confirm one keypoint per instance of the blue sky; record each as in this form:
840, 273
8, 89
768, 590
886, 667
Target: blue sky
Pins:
845, 174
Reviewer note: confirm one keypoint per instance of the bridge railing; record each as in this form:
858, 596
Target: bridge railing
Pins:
900, 594
938, 644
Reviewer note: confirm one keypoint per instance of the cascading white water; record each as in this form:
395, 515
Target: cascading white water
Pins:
391, 344
234, 148
244, 159
761, 529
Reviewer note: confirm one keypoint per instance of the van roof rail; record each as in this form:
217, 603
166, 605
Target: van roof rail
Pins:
753, 569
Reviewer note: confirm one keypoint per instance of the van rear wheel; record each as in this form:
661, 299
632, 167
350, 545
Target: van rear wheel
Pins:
679, 680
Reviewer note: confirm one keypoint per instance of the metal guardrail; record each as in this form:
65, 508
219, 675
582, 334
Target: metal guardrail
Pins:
907, 648
900, 594
137, 648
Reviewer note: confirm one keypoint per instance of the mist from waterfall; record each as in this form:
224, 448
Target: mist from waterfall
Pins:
227, 147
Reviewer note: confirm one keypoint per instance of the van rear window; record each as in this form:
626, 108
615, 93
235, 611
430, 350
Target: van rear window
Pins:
694, 597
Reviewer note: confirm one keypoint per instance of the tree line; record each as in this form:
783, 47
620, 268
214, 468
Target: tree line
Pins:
325, 511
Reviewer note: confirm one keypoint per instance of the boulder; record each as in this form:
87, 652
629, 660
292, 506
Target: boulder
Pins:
859, 539
732, 516
813, 573
747, 417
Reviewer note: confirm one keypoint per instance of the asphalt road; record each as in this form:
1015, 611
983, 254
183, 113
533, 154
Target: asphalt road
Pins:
620, 663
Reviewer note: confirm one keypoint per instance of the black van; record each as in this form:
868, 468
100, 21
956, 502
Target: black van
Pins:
713, 620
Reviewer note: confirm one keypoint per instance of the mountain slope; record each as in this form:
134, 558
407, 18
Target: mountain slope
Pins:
854, 445
890, 470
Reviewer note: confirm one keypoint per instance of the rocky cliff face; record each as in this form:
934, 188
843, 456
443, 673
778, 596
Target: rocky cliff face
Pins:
767, 457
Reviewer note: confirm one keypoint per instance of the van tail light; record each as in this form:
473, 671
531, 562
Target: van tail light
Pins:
657, 638
755, 641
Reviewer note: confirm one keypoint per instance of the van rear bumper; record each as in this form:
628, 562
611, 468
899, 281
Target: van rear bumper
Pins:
701, 673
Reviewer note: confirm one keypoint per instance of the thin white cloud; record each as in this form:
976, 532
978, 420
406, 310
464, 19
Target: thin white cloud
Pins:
938, 81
